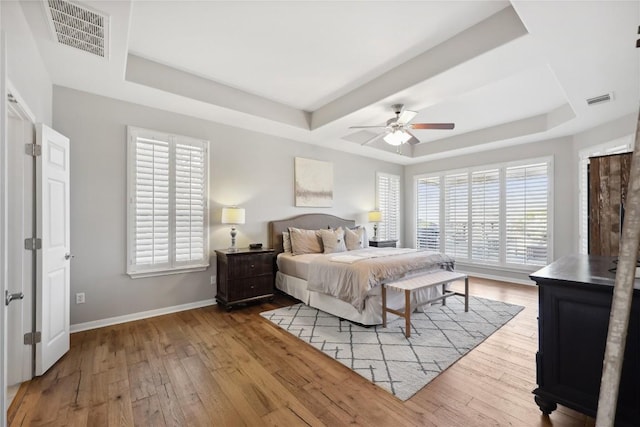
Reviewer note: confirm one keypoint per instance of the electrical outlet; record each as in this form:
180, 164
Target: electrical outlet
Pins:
80, 298
213, 280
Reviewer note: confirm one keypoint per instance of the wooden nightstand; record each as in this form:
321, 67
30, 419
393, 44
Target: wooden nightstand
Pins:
383, 243
244, 275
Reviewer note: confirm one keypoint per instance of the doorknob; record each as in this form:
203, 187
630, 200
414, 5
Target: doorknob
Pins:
10, 297
69, 256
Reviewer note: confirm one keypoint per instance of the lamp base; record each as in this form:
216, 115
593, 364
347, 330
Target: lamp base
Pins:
233, 233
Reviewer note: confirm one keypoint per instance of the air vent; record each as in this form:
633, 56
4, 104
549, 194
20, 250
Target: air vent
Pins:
79, 27
600, 99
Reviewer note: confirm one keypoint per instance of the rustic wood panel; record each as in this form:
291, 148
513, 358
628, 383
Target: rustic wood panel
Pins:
608, 182
212, 367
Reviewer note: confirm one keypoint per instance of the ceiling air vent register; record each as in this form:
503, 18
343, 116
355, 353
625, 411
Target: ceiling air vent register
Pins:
600, 99
79, 27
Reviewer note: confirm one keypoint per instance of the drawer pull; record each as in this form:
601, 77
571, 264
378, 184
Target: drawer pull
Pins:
252, 266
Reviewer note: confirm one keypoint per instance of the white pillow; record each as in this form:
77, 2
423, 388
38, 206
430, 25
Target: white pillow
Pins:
333, 240
286, 241
305, 241
356, 238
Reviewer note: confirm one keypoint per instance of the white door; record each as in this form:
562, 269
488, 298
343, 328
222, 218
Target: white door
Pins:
52, 224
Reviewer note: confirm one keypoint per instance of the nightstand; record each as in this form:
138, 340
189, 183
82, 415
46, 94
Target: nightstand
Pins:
383, 243
244, 275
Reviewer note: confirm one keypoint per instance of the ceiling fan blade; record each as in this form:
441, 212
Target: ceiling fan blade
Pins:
413, 140
432, 126
366, 127
406, 116
373, 138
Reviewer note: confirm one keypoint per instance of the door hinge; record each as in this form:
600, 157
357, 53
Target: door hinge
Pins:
32, 243
31, 339
33, 150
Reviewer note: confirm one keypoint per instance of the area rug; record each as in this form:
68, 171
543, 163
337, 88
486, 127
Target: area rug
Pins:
439, 336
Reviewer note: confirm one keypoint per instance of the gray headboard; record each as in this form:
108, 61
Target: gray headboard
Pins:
306, 221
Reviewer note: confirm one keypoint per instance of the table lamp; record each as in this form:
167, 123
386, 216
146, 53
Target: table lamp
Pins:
233, 215
375, 217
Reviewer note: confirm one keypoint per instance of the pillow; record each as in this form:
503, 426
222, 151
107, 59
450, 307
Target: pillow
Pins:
286, 241
356, 238
333, 240
305, 241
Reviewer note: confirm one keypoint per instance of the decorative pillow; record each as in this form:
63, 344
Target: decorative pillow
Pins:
333, 240
305, 241
286, 241
356, 238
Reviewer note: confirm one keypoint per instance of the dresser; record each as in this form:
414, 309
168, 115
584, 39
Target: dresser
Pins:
575, 294
244, 275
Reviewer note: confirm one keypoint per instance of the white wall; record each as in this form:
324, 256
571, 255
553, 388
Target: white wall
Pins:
247, 168
25, 69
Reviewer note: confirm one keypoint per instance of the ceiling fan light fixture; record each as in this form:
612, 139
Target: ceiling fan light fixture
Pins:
397, 137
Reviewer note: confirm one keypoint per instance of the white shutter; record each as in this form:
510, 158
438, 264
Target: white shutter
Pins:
485, 215
388, 196
456, 218
151, 202
190, 202
428, 213
526, 192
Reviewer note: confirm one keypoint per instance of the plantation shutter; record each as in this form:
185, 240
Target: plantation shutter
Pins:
485, 214
151, 230
527, 190
388, 194
167, 226
428, 213
456, 218
190, 202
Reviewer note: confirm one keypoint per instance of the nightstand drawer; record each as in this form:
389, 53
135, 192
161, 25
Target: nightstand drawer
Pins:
250, 266
250, 287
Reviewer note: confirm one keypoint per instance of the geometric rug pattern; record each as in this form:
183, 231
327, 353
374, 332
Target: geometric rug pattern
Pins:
439, 336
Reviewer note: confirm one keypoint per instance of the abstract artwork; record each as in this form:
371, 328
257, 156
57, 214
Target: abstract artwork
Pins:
314, 183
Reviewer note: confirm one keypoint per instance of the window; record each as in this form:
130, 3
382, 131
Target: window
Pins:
497, 215
622, 145
168, 203
428, 213
388, 198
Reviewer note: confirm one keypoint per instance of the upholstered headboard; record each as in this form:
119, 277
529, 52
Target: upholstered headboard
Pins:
306, 221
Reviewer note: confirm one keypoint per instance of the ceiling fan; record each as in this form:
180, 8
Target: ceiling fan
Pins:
397, 128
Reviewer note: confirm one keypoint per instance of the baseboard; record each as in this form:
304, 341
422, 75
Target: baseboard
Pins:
497, 277
78, 327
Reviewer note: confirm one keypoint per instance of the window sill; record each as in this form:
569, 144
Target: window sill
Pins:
500, 267
166, 272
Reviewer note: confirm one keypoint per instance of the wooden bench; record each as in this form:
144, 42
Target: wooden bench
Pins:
420, 282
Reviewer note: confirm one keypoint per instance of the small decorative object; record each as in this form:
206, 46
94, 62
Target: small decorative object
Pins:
314, 183
233, 215
375, 217
255, 245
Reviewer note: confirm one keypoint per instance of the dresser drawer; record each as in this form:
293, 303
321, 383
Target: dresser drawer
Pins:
250, 265
250, 287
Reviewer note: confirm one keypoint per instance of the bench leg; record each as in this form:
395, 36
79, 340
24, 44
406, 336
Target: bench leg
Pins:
444, 289
407, 312
466, 294
384, 306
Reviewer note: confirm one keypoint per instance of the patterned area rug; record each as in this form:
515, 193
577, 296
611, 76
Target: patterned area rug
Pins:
439, 336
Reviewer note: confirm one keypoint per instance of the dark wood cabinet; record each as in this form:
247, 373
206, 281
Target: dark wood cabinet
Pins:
608, 183
575, 294
244, 275
383, 243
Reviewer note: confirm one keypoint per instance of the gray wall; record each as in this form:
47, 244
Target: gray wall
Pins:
247, 168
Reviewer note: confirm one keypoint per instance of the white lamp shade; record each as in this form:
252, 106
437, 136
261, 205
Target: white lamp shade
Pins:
375, 216
397, 137
232, 215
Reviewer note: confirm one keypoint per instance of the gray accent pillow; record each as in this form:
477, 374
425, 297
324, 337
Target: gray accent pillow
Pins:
305, 241
286, 241
356, 238
333, 240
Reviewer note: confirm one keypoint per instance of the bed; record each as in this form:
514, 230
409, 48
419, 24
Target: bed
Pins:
305, 277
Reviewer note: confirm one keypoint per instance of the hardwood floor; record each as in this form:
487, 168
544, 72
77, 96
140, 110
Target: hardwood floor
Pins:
212, 367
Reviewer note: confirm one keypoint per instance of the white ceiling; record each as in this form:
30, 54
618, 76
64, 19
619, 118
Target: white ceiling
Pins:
504, 72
